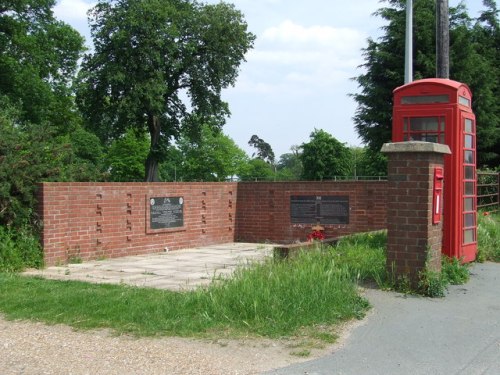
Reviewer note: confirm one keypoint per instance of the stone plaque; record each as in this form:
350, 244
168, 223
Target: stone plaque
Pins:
166, 212
312, 209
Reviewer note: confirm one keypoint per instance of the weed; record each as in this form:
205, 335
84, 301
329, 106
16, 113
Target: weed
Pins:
432, 283
454, 271
19, 249
488, 235
301, 353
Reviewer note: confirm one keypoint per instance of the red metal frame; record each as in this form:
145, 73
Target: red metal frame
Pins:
439, 110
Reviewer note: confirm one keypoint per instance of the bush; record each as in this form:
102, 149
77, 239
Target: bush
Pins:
19, 249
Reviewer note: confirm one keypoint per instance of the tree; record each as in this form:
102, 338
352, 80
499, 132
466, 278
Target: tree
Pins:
212, 157
324, 157
486, 84
38, 61
264, 149
257, 170
289, 166
364, 162
125, 157
30, 154
149, 56
384, 65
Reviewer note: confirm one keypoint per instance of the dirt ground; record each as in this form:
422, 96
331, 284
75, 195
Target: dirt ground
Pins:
35, 348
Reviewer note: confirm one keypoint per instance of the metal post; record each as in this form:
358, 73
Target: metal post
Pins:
409, 42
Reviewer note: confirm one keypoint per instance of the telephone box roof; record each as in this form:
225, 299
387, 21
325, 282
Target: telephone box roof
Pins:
434, 81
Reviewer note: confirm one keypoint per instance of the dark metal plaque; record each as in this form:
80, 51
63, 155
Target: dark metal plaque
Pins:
166, 212
312, 209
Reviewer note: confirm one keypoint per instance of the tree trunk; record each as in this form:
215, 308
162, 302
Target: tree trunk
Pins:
152, 159
442, 39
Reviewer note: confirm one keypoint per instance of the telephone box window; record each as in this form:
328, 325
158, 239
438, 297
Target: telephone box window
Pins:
469, 235
427, 129
469, 204
469, 220
469, 172
427, 99
468, 140
469, 157
469, 188
469, 126
464, 101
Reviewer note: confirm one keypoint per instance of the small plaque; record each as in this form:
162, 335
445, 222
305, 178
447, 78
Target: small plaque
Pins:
166, 212
313, 209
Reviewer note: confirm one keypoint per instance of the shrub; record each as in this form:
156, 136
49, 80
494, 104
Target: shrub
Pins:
19, 249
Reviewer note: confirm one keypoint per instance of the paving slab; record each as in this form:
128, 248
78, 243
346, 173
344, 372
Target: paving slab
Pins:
175, 270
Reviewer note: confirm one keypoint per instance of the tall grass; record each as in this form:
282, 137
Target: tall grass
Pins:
272, 299
488, 236
19, 249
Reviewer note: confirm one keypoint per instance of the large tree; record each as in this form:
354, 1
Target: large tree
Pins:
324, 157
160, 66
38, 60
384, 69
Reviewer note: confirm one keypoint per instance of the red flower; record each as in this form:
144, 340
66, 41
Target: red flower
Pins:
315, 235
486, 213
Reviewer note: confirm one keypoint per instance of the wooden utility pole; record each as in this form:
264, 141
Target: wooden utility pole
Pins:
442, 39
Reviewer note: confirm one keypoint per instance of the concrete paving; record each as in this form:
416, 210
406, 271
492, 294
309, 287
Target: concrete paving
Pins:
458, 334
176, 270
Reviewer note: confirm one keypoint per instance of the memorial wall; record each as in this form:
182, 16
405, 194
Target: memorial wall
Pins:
105, 220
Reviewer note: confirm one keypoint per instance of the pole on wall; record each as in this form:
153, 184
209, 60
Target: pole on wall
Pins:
442, 39
409, 42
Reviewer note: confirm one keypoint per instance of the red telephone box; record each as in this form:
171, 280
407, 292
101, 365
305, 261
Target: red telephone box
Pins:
439, 110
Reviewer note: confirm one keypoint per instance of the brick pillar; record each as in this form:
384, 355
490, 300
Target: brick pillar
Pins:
413, 241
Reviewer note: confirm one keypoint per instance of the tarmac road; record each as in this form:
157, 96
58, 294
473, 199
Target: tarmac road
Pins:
458, 334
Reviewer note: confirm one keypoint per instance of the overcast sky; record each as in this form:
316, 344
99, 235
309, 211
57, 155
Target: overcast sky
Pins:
298, 76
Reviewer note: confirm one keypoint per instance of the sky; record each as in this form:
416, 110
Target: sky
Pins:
298, 76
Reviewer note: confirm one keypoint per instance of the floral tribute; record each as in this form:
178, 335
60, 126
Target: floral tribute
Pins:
316, 235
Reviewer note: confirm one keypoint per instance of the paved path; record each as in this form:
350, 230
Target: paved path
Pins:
458, 334
175, 270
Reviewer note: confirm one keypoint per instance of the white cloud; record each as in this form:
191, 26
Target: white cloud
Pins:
72, 10
295, 59
292, 33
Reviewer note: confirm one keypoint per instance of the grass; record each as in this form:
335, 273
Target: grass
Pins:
488, 233
302, 296
306, 296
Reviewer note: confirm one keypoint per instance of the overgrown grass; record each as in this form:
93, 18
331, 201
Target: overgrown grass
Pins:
305, 295
314, 290
488, 235
19, 249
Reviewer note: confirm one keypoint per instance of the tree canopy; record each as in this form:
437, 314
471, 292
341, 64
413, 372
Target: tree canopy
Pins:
324, 157
263, 149
474, 58
38, 60
212, 157
160, 66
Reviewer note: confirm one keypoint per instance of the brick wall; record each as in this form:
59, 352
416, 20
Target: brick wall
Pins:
94, 220
105, 220
263, 212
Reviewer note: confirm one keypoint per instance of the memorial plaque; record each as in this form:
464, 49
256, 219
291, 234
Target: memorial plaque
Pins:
312, 209
334, 210
166, 212
303, 209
